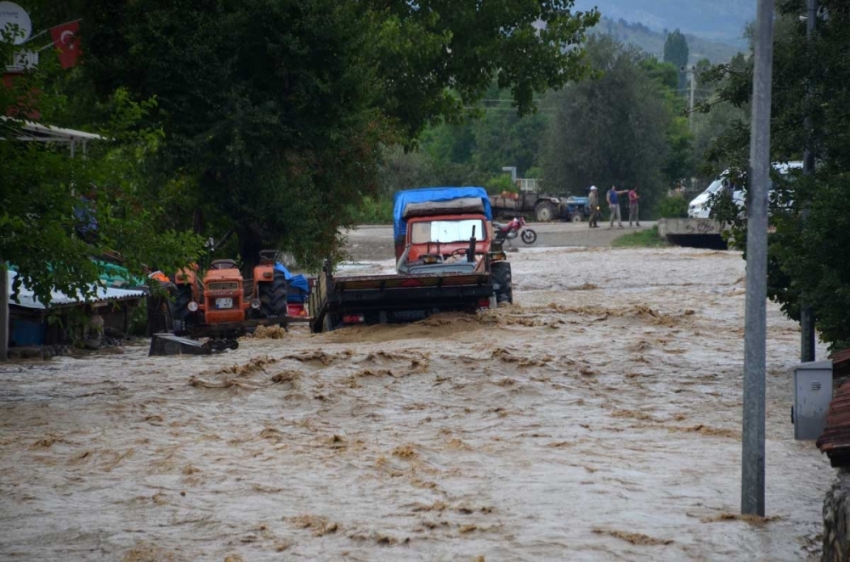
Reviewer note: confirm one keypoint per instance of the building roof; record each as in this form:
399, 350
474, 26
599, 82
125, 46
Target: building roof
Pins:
31, 131
27, 299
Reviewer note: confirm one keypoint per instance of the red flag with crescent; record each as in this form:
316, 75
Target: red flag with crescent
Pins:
66, 39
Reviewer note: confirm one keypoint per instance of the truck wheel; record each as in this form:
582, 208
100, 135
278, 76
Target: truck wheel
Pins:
544, 211
576, 217
272, 296
329, 323
502, 285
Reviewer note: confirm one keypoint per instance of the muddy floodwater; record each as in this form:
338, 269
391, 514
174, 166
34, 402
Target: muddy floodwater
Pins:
597, 418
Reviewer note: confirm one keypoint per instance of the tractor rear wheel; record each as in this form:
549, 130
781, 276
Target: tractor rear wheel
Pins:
272, 296
502, 285
544, 211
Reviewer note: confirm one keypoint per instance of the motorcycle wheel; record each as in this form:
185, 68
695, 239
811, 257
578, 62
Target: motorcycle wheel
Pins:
529, 236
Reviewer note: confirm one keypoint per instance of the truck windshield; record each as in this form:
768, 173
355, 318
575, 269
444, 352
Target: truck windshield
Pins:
446, 232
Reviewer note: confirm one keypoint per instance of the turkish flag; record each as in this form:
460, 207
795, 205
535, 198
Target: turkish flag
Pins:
67, 42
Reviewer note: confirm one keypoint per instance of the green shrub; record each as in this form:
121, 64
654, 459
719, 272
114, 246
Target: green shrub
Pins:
641, 239
673, 207
374, 211
497, 184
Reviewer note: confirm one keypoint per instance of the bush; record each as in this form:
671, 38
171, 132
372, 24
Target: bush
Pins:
374, 211
500, 183
673, 207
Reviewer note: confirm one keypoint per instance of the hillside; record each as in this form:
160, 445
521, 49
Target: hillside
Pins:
714, 20
653, 41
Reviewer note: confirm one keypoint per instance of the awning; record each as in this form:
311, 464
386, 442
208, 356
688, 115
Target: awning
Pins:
27, 299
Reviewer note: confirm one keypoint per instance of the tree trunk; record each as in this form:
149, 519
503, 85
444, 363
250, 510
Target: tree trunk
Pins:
249, 250
4, 312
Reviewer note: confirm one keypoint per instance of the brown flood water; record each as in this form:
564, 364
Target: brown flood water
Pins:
598, 418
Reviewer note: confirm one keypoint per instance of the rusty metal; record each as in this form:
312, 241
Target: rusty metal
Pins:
835, 440
841, 363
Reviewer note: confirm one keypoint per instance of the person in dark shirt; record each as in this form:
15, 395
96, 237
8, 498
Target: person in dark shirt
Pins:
614, 205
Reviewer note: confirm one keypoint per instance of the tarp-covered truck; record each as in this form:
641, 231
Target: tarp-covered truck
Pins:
445, 261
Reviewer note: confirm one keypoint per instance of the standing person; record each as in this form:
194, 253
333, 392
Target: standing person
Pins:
593, 202
614, 205
633, 206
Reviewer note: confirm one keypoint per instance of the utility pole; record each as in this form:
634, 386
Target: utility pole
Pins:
807, 320
755, 324
693, 73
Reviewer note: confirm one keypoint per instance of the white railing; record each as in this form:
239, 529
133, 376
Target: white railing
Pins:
528, 184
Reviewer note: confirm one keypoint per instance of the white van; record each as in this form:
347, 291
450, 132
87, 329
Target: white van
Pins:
699, 207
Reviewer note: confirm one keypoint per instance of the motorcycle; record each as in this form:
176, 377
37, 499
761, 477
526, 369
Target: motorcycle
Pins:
513, 229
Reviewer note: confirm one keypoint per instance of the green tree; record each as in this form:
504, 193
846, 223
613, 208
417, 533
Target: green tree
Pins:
807, 260
58, 212
611, 130
274, 110
676, 52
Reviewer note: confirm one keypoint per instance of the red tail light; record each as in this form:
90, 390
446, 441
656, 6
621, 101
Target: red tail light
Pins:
353, 319
483, 303
411, 283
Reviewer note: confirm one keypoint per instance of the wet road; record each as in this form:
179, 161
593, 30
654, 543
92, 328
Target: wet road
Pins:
598, 418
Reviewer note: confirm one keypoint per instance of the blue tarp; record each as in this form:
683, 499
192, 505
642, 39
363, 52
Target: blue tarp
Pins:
426, 194
298, 284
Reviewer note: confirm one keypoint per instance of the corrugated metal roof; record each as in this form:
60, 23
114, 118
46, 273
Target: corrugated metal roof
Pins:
27, 299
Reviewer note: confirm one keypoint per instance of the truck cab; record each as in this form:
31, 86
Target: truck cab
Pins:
443, 243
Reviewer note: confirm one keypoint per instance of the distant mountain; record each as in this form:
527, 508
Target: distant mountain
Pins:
716, 20
652, 42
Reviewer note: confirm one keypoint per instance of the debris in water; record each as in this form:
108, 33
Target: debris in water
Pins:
320, 526
634, 538
749, 518
270, 332
405, 452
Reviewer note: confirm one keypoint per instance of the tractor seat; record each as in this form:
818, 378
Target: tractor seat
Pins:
223, 264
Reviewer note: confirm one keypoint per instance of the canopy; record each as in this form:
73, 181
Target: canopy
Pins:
434, 194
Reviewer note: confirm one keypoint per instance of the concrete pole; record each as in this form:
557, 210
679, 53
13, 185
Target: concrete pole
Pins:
693, 74
807, 319
4, 312
752, 458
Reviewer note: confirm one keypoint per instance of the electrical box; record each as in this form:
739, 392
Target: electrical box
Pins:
812, 395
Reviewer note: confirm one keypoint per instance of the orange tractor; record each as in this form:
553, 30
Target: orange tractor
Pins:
222, 302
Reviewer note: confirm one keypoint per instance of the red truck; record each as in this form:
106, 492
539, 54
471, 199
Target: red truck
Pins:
446, 260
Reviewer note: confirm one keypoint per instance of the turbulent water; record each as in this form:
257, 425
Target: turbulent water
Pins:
598, 418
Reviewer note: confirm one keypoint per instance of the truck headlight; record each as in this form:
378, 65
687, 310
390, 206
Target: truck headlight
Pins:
255, 304
192, 306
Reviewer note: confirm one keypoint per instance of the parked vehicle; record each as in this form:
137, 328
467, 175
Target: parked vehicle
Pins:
221, 303
700, 206
446, 260
509, 231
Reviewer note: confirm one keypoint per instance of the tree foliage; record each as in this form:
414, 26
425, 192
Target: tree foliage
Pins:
614, 129
807, 259
58, 212
274, 110
677, 53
